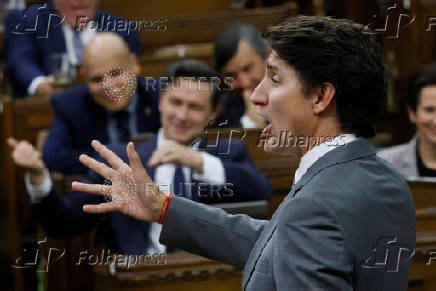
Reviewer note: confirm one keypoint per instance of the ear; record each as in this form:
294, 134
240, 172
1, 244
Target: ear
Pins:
268, 50
412, 114
161, 96
136, 68
323, 97
215, 113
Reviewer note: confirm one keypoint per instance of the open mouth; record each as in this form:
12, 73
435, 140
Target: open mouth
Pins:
268, 127
267, 130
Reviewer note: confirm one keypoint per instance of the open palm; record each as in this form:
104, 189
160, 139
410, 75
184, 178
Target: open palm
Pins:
131, 192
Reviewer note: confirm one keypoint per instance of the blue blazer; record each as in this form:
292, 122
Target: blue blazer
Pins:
78, 120
63, 216
32, 36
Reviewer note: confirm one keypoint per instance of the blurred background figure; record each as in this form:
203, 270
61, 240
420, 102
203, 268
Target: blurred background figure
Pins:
177, 159
48, 39
417, 158
92, 111
239, 55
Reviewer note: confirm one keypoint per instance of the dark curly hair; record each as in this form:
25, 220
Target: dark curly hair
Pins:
339, 51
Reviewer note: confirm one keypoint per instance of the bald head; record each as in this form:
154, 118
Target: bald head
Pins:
104, 46
107, 52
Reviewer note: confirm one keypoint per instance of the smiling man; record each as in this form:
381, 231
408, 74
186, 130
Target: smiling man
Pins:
417, 158
106, 108
239, 55
348, 221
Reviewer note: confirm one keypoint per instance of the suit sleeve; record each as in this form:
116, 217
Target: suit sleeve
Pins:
310, 251
210, 231
21, 54
59, 153
247, 182
63, 217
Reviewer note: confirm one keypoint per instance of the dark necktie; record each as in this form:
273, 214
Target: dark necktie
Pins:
122, 125
179, 182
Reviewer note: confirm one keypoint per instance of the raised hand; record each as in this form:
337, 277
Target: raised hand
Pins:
132, 191
174, 153
25, 155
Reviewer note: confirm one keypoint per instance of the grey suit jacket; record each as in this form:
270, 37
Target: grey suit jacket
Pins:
349, 223
403, 158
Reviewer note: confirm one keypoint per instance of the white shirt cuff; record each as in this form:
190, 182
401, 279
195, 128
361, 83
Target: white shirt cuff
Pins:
213, 170
34, 84
38, 192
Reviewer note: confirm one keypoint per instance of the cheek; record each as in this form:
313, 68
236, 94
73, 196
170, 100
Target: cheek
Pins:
95, 89
423, 118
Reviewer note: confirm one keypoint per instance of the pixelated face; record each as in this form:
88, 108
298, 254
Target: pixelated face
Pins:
185, 108
73, 10
425, 115
98, 67
283, 103
246, 68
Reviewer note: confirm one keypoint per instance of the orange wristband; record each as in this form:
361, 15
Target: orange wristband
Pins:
164, 209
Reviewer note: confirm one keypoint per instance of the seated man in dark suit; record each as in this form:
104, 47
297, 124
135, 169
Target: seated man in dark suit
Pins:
34, 36
90, 111
239, 55
177, 159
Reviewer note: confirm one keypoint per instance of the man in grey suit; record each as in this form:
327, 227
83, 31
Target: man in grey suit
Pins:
348, 221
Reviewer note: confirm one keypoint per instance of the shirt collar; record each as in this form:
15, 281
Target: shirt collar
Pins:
320, 150
161, 140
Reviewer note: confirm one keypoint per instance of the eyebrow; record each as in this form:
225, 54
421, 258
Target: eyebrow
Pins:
271, 67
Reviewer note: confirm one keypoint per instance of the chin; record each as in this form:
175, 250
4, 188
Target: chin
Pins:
276, 150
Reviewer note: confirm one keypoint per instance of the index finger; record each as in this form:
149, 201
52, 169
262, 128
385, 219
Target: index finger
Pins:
108, 155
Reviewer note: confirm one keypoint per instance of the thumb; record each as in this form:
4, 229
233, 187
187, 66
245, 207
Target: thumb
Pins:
49, 79
12, 142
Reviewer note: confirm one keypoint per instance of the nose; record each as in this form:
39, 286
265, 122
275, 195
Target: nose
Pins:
260, 94
182, 113
244, 81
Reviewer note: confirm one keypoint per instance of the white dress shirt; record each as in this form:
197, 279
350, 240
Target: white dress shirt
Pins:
213, 173
318, 151
85, 35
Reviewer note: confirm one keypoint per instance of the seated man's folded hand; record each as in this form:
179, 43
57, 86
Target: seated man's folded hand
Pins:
25, 155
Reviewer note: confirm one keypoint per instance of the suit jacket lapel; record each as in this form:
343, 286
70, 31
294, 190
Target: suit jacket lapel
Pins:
145, 151
351, 151
354, 150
